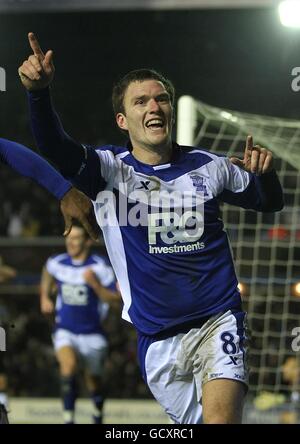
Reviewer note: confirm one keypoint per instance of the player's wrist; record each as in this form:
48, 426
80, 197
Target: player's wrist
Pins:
64, 189
39, 93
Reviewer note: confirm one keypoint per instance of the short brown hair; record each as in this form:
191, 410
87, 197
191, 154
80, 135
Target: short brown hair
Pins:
138, 75
77, 224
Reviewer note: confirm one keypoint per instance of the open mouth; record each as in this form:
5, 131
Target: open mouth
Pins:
155, 124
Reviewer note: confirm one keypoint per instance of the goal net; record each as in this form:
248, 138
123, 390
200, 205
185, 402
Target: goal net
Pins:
266, 248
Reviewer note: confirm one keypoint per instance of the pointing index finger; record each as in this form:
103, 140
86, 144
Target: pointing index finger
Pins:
34, 44
249, 143
248, 149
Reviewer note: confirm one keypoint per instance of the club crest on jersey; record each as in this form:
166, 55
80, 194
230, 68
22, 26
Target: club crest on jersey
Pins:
198, 183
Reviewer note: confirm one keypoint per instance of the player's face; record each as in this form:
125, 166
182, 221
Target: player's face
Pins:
148, 115
76, 242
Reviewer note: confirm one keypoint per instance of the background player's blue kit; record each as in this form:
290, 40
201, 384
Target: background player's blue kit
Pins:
79, 310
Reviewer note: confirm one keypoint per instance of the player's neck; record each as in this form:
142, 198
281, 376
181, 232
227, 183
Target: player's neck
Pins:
81, 257
153, 156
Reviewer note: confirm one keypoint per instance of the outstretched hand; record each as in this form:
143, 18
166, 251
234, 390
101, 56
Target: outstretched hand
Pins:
257, 160
75, 205
37, 71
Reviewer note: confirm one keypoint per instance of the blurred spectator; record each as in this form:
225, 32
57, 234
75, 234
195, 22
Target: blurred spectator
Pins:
6, 272
291, 375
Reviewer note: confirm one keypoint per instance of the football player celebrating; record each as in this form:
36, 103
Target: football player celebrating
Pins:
175, 271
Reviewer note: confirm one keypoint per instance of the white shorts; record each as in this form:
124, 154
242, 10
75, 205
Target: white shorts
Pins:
177, 367
90, 348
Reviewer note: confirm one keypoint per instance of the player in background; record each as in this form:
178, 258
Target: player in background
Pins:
85, 286
176, 274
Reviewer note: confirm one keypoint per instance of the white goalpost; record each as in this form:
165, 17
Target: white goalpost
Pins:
266, 246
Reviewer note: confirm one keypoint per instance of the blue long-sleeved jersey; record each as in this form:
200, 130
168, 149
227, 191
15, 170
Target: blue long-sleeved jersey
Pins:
31, 165
172, 267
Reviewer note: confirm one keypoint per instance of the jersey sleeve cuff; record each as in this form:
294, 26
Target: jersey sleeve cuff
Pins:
39, 94
62, 189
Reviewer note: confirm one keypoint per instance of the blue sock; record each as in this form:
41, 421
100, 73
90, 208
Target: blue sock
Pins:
98, 401
69, 395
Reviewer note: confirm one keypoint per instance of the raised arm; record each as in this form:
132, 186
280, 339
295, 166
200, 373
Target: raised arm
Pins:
74, 204
36, 74
29, 164
252, 182
78, 163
